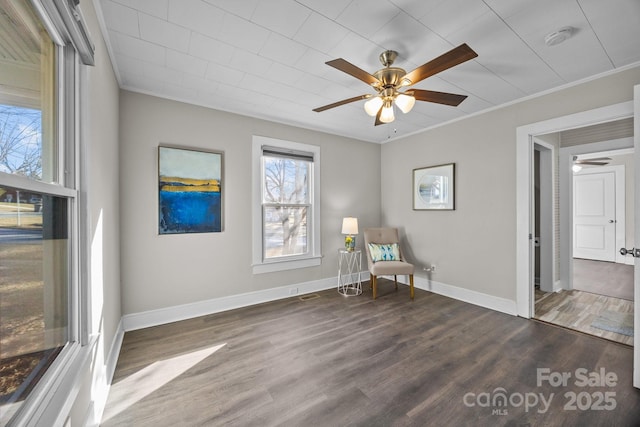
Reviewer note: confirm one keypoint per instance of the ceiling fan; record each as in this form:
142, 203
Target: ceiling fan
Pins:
389, 81
596, 161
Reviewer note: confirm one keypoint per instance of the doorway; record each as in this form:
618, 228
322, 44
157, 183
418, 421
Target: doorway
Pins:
524, 236
598, 297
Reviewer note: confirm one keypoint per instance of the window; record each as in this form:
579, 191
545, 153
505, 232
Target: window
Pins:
34, 291
39, 304
286, 205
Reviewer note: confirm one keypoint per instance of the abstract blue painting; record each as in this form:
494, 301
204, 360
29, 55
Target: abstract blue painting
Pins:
189, 191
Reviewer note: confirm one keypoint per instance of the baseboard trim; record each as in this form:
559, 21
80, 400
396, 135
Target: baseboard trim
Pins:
114, 352
102, 378
557, 286
491, 302
146, 319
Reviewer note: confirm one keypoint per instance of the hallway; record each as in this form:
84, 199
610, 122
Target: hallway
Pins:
600, 304
603, 278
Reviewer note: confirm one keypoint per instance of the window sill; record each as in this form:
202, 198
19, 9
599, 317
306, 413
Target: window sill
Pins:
53, 397
270, 267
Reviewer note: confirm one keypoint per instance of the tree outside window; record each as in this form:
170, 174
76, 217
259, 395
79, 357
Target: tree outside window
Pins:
21, 141
286, 206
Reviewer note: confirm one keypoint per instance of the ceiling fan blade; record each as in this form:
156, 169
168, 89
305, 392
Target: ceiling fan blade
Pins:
437, 97
378, 122
339, 103
352, 70
597, 159
588, 162
445, 61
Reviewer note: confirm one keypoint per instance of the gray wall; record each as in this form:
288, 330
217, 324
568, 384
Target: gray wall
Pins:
474, 246
100, 134
597, 133
169, 270
103, 182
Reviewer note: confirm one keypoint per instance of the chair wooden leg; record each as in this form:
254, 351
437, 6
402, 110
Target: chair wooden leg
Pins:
371, 276
411, 285
395, 279
374, 281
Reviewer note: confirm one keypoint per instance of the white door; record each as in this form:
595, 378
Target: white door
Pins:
594, 214
636, 271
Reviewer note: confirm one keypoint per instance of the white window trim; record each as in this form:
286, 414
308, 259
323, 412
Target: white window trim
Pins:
52, 398
314, 257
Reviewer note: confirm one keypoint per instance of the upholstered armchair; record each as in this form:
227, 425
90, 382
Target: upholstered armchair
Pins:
384, 257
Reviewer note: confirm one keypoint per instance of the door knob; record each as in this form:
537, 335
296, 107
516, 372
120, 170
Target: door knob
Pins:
634, 252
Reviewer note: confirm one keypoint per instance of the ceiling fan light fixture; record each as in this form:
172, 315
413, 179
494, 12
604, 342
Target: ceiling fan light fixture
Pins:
372, 106
386, 115
405, 102
389, 82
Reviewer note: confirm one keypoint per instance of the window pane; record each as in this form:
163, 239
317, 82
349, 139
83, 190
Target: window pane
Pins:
285, 231
27, 94
34, 298
285, 180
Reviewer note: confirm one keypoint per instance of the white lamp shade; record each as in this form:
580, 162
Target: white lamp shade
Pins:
386, 116
373, 105
350, 225
405, 102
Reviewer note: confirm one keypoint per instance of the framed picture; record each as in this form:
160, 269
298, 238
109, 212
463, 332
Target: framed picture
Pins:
189, 190
433, 187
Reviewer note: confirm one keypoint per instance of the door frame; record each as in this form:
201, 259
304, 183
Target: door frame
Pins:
524, 175
636, 267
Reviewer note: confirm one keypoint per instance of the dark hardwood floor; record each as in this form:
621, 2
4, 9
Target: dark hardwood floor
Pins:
337, 361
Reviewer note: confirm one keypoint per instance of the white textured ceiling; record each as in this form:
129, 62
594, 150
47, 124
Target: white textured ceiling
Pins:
266, 58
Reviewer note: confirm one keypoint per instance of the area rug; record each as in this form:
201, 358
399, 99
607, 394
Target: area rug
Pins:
620, 323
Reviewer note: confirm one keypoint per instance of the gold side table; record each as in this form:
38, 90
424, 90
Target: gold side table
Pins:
349, 268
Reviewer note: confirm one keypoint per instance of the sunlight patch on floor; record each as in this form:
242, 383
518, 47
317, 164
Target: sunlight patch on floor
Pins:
139, 385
